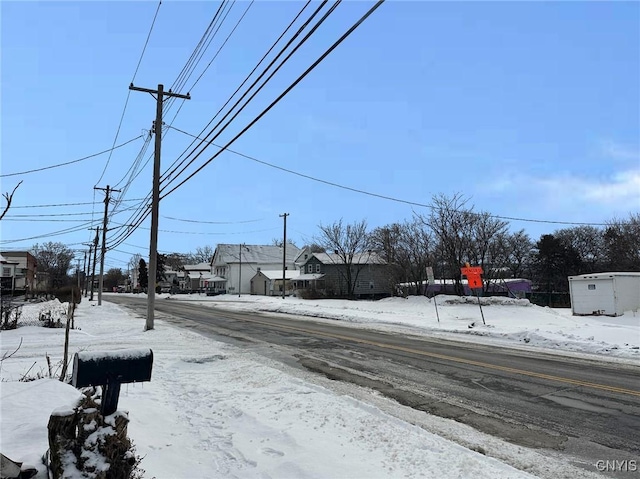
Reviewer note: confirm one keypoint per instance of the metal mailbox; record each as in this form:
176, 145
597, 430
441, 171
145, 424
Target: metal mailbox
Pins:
109, 370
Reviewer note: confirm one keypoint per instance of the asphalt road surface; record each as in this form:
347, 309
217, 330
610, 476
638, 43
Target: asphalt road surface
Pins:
582, 410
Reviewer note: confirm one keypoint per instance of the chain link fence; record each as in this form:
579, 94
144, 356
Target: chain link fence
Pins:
19, 313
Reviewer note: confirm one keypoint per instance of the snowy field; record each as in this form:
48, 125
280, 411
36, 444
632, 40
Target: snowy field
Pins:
214, 410
510, 322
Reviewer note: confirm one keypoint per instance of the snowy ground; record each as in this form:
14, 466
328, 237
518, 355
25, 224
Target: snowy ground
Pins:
213, 410
514, 323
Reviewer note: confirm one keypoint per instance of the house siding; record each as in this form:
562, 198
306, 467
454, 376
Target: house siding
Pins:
370, 279
25, 270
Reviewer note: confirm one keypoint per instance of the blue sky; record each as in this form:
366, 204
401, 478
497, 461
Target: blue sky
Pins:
530, 109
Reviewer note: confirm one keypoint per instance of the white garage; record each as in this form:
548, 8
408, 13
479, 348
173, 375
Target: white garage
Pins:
609, 294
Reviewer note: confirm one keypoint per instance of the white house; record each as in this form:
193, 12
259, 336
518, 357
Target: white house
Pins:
8, 275
610, 294
269, 282
234, 265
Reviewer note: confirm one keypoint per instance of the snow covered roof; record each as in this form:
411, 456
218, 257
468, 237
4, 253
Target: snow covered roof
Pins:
261, 254
197, 267
211, 277
358, 258
309, 277
605, 275
277, 274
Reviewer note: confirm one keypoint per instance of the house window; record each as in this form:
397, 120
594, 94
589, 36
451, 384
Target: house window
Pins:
592, 286
318, 268
6, 271
310, 268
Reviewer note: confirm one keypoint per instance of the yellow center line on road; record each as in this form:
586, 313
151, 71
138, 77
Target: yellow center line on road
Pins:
445, 357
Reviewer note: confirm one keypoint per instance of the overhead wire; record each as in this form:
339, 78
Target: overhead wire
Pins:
58, 165
144, 214
214, 57
124, 109
245, 80
202, 47
183, 77
167, 176
288, 89
66, 204
377, 195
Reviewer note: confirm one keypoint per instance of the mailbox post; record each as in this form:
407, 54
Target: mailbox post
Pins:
109, 370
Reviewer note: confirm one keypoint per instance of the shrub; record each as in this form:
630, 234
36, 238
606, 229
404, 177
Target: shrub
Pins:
65, 294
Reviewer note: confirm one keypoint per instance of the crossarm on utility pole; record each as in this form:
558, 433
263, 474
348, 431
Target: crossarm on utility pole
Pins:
155, 202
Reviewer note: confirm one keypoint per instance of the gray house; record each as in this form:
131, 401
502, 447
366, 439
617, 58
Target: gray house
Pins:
366, 276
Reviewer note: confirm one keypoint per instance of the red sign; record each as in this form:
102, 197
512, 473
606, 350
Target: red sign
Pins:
471, 270
473, 276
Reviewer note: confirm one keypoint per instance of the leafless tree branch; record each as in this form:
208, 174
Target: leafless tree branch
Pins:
9, 197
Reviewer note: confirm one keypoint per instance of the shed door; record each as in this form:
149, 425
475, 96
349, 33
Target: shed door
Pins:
593, 296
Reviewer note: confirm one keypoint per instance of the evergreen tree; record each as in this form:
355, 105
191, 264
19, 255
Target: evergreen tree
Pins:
143, 274
161, 266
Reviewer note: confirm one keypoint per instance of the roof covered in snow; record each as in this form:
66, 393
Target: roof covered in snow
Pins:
259, 254
277, 274
358, 258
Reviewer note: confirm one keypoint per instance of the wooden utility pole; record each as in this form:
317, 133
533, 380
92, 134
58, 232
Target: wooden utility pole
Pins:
108, 190
240, 272
95, 254
155, 202
284, 253
87, 270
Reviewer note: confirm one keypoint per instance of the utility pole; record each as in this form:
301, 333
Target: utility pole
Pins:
95, 254
87, 268
78, 271
155, 203
284, 253
104, 240
240, 272
84, 272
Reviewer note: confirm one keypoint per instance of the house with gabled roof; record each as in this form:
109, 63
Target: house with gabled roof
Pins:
327, 273
269, 282
234, 265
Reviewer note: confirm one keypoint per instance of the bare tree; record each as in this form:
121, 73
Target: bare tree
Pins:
410, 246
486, 235
8, 197
511, 254
622, 243
278, 242
452, 223
203, 254
55, 260
588, 242
346, 244
176, 261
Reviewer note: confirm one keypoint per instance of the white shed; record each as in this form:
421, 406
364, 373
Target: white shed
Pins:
610, 294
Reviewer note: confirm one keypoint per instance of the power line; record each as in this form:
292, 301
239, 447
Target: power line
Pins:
54, 233
221, 46
377, 195
245, 81
198, 52
124, 109
67, 204
290, 87
212, 60
212, 222
168, 177
143, 214
73, 161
